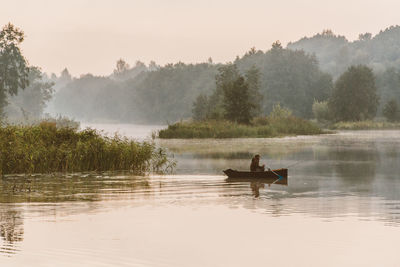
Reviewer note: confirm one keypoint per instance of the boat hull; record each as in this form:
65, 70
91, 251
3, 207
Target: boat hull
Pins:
282, 181
279, 173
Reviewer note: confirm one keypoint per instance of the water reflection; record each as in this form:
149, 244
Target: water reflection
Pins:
338, 176
11, 229
68, 187
53, 189
257, 184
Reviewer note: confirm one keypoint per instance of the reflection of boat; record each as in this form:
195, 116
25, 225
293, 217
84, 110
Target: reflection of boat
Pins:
269, 181
274, 174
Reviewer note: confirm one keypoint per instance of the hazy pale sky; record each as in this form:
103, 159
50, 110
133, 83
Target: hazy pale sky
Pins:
90, 35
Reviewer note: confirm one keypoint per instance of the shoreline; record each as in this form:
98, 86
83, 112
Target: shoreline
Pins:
263, 128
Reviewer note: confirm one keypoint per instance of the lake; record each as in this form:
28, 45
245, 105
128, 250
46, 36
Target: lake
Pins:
341, 207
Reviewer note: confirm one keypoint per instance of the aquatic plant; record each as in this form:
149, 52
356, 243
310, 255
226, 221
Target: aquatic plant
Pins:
45, 148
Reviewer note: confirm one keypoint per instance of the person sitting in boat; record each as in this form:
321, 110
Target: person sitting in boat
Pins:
255, 164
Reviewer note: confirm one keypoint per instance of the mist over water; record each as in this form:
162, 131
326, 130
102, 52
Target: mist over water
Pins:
341, 200
126, 72
295, 76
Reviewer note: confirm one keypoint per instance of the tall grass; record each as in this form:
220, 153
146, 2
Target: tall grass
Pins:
260, 127
44, 148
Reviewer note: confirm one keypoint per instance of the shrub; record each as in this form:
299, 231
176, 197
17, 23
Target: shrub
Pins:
321, 111
391, 111
279, 112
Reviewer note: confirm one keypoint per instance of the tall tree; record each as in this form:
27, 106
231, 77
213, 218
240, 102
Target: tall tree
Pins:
13, 65
121, 67
226, 76
237, 101
253, 80
236, 97
354, 96
65, 76
277, 45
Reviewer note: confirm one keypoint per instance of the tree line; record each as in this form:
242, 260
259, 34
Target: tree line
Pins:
166, 94
306, 77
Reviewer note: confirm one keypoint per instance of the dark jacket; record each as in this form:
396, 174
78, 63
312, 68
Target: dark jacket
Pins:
255, 165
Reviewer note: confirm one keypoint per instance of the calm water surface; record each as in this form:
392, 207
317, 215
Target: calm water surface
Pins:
341, 207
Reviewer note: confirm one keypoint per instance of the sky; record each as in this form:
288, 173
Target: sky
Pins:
89, 36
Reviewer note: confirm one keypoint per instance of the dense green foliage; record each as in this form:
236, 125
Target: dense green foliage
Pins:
45, 148
380, 52
291, 78
237, 105
236, 97
296, 77
354, 97
13, 65
163, 94
392, 111
253, 80
388, 83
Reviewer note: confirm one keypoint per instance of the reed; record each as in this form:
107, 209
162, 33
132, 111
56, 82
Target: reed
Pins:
259, 128
45, 148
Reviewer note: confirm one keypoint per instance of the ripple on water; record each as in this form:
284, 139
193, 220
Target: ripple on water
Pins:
345, 181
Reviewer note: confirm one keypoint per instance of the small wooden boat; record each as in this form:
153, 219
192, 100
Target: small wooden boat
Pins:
257, 175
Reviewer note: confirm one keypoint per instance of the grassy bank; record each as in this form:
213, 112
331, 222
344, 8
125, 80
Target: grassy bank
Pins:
259, 128
44, 148
365, 125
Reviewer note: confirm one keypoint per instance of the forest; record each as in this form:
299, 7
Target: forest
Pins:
296, 77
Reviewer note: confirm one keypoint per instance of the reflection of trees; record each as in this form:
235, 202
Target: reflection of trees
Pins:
234, 148
61, 187
355, 165
213, 156
11, 229
224, 155
389, 169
